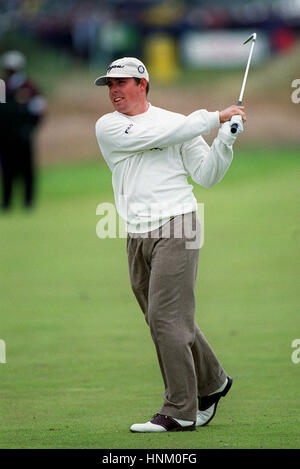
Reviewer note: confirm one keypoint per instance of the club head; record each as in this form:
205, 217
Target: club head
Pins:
252, 37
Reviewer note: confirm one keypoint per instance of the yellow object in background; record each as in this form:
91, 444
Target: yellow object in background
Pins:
161, 57
167, 13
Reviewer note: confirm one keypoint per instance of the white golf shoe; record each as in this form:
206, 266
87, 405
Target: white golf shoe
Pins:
205, 416
163, 423
208, 404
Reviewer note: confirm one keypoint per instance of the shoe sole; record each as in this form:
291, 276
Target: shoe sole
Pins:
222, 394
182, 429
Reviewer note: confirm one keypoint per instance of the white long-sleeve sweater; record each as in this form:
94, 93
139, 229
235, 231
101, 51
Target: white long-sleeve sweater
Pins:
150, 156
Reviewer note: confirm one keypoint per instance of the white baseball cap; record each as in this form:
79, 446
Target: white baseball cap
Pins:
127, 67
13, 60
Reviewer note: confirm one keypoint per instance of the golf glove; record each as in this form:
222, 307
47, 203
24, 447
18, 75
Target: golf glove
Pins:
225, 134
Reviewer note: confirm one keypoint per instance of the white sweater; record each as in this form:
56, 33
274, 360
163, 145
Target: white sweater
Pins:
151, 155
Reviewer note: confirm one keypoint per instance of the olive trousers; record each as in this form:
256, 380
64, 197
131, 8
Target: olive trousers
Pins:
163, 267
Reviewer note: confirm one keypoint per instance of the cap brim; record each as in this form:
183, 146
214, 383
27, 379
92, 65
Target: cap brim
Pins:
102, 81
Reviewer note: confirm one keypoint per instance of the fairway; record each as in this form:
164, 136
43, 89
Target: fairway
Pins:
81, 365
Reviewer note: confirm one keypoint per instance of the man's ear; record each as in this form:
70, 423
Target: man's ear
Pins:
143, 83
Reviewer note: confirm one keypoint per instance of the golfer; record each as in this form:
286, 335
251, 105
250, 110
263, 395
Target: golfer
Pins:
150, 152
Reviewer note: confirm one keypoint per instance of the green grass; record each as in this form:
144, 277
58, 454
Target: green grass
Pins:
81, 366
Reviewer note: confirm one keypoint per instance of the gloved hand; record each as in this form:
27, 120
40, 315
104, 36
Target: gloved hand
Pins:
225, 134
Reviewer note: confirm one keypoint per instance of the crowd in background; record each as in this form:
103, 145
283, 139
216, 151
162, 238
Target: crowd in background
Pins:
119, 27
98, 32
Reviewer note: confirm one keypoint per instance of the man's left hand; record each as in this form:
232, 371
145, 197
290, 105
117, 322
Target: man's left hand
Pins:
225, 134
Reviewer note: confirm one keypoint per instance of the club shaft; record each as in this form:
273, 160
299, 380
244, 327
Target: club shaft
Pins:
246, 73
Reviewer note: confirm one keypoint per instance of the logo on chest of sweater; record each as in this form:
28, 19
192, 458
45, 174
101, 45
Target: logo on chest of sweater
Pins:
128, 128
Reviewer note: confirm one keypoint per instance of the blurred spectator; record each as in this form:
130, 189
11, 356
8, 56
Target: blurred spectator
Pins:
19, 117
283, 39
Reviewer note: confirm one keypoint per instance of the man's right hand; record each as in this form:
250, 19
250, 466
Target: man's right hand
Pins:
233, 110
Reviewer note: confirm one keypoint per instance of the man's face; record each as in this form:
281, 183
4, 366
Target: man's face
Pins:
126, 95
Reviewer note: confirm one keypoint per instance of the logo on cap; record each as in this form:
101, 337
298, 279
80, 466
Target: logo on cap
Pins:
141, 69
114, 66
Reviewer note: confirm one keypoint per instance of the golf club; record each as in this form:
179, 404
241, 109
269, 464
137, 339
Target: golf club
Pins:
252, 38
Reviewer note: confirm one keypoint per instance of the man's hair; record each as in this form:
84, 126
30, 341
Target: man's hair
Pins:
138, 81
